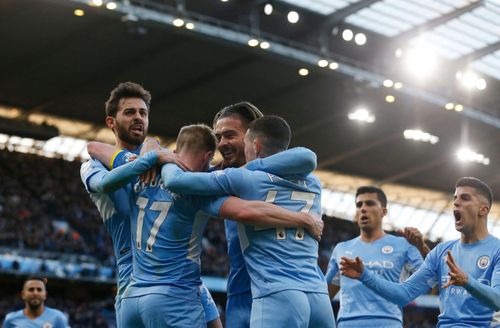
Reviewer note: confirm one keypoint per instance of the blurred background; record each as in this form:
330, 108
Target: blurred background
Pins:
397, 93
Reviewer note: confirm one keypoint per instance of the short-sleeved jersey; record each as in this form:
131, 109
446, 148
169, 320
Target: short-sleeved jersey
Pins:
115, 211
277, 259
50, 318
479, 260
166, 239
390, 257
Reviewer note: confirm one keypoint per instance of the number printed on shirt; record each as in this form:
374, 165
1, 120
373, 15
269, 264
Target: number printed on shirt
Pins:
163, 208
307, 197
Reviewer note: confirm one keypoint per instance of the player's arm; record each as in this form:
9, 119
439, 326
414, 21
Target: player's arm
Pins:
62, 321
416, 238
333, 275
104, 153
191, 183
107, 181
488, 295
268, 215
294, 161
399, 293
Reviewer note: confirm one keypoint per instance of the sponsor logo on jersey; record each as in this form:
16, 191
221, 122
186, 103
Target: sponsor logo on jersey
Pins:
379, 264
47, 325
388, 249
483, 262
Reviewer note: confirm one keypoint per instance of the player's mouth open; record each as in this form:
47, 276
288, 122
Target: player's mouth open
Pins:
137, 128
363, 219
458, 217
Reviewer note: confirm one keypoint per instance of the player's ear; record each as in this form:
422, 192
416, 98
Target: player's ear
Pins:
484, 210
209, 155
110, 122
257, 146
384, 211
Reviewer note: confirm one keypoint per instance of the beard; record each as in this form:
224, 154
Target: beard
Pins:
125, 135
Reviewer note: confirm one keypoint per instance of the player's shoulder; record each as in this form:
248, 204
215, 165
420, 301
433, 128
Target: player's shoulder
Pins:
443, 247
13, 315
494, 240
55, 314
54, 311
347, 243
397, 240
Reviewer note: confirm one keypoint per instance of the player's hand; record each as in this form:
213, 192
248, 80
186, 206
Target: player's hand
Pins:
148, 145
352, 268
315, 227
457, 276
167, 156
416, 238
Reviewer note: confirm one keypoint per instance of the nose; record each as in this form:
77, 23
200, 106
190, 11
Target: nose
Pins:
222, 142
138, 116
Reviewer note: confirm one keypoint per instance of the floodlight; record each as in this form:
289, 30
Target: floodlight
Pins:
293, 17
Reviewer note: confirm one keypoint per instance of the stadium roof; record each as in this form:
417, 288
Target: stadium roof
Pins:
60, 62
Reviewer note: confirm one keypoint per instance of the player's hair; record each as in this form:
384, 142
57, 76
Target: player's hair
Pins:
196, 137
481, 187
382, 198
273, 131
38, 278
245, 111
126, 90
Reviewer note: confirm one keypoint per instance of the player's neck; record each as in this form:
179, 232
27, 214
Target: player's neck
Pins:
125, 145
478, 234
34, 312
371, 236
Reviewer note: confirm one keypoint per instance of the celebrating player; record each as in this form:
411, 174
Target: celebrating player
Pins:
386, 255
467, 270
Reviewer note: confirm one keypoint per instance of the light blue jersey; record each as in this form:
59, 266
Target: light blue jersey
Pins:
115, 211
166, 244
277, 259
304, 162
390, 257
239, 297
471, 306
50, 318
166, 231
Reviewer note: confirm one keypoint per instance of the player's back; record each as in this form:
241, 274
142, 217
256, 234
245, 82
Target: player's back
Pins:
280, 259
479, 260
166, 236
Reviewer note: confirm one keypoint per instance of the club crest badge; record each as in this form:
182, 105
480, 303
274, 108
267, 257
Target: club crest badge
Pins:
47, 325
387, 249
483, 262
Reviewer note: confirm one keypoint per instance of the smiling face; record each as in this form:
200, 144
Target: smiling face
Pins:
230, 133
131, 122
34, 293
469, 207
369, 212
